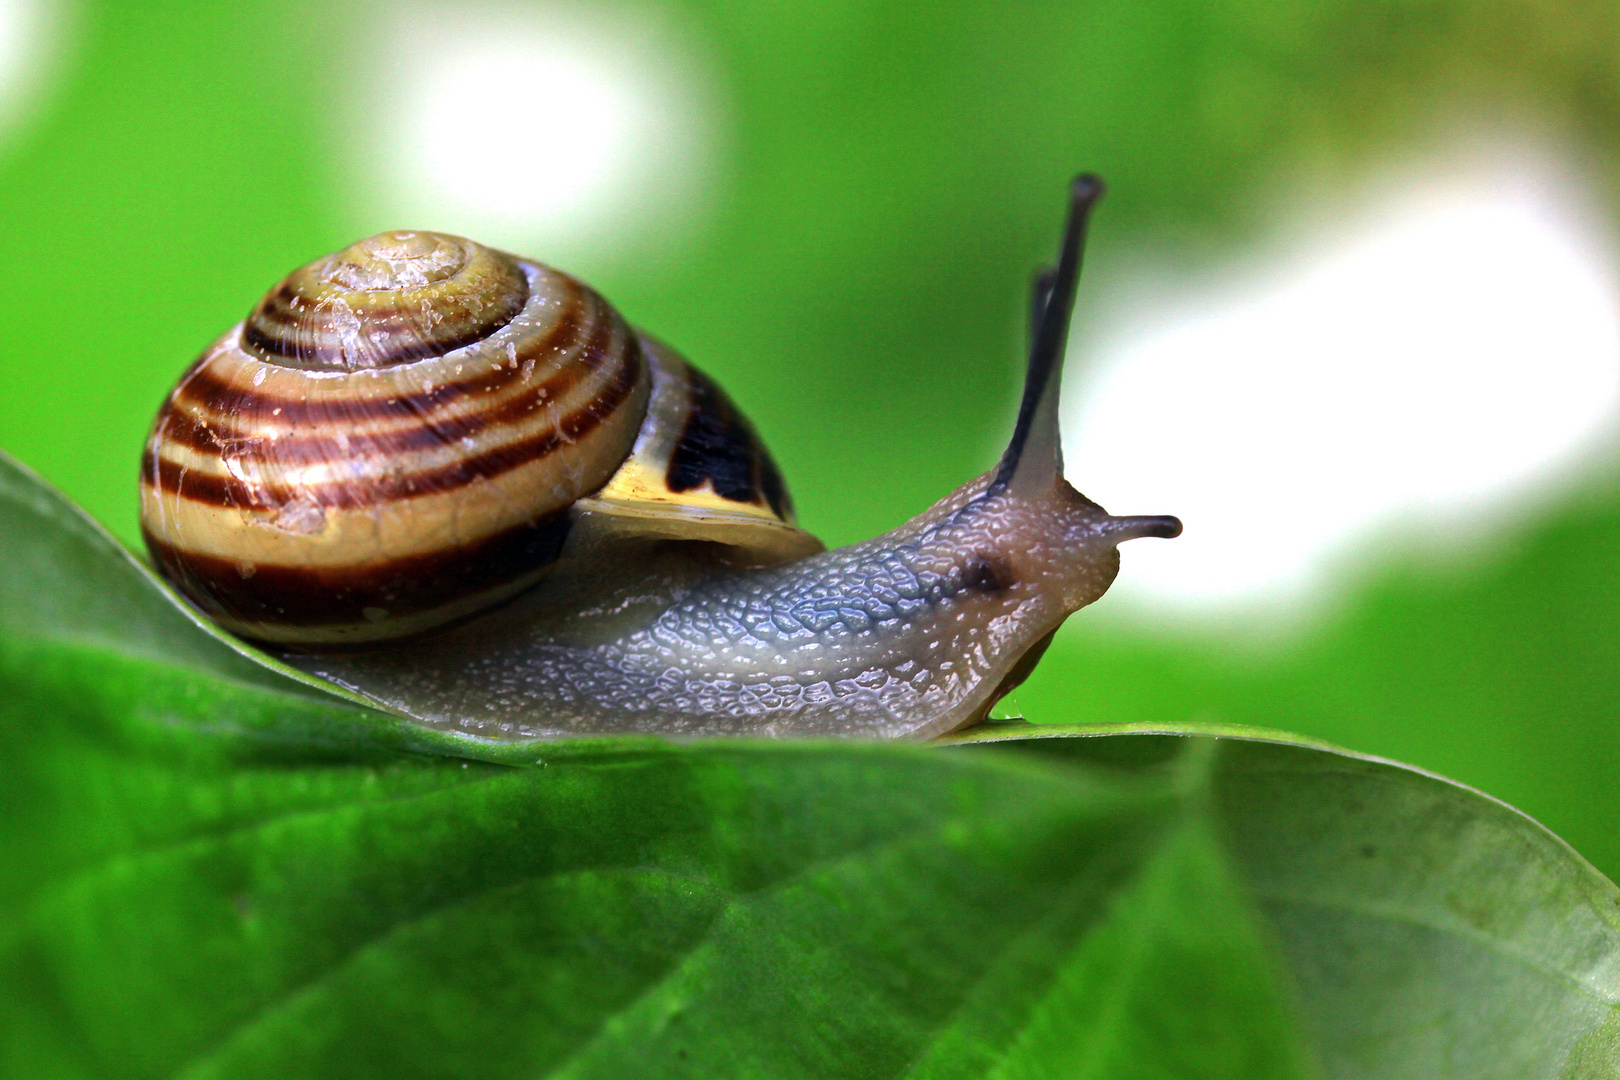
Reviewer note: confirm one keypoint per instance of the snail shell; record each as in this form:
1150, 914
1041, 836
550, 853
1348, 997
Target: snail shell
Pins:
408, 431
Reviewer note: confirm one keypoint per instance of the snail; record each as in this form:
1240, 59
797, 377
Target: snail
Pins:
459, 484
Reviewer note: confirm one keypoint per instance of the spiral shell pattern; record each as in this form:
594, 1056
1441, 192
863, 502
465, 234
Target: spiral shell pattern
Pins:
389, 442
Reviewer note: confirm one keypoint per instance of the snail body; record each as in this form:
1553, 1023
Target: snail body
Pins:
460, 484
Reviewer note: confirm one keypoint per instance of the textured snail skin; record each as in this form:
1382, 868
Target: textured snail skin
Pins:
912, 634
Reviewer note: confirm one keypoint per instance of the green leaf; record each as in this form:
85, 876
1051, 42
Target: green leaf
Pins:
76, 609
214, 870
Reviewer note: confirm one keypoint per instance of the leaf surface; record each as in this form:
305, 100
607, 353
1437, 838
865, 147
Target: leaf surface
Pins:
213, 869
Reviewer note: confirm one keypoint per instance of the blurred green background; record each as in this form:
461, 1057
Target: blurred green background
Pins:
838, 217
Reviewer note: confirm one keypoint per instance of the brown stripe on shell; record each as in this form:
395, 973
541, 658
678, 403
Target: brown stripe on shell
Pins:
393, 588
205, 391
208, 437
398, 336
389, 299
230, 491
418, 431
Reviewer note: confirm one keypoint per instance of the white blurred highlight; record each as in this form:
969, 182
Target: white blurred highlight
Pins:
552, 131
1415, 378
30, 40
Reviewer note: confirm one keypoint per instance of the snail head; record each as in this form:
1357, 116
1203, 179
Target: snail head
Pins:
1034, 548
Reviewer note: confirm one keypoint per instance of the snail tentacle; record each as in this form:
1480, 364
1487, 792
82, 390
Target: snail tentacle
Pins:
1034, 455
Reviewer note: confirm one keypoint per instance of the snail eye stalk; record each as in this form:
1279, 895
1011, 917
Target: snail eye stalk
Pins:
1033, 459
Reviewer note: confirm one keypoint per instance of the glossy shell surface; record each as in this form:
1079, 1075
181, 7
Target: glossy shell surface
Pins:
398, 433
